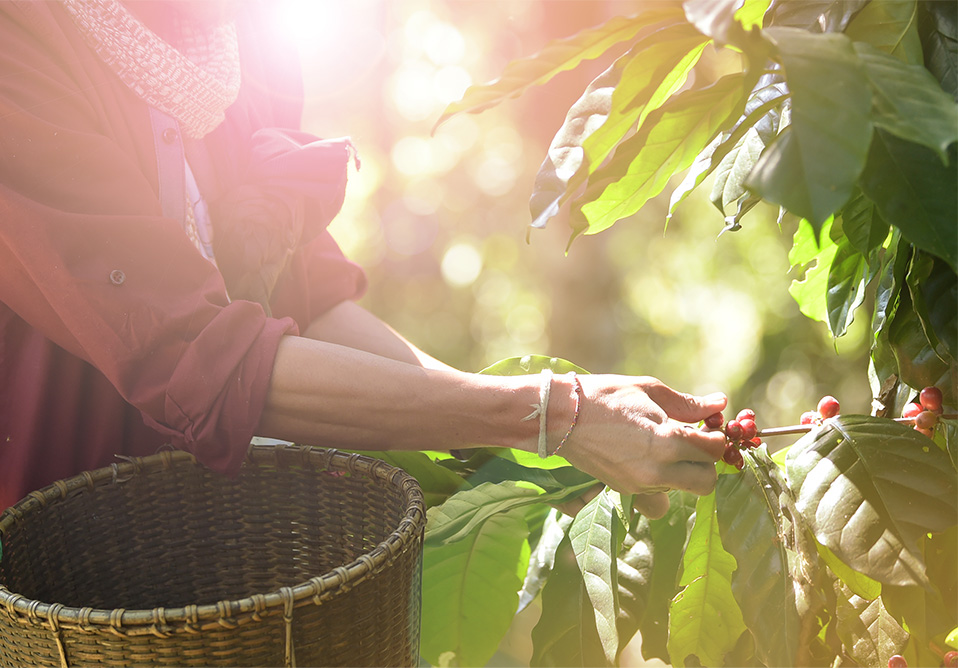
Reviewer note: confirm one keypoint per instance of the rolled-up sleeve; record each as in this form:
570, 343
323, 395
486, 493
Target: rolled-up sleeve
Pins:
87, 259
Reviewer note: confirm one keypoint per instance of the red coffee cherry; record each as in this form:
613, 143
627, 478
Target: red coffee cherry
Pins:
715, 421
897, 661
951, 659
926, 420
733, 456
749, 429
828, 406
745, 413
755, 442
733, 430
930, 398
911, 410
927, 432
809, 417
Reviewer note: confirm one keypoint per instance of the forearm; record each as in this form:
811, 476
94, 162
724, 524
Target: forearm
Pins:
350, 325
359, 385
332, 395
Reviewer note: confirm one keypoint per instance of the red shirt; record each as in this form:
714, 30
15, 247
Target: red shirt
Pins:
96, 362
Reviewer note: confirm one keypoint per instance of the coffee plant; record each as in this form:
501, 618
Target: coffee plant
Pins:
841, 548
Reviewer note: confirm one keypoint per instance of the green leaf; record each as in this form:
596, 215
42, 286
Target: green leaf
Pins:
722, 20
635, 566
938, 29
859, 584
810, 293
669, 535
820, 15
891, 279
779, 456
914, 192
667, 143
752, 13
531, 364
734, 168
500, 469
848, 275
715, 18
542, 559
932, 611
908, 102
922, 613
870, 488
943, 566
883, 370
868, 633
438, 483
722, 154
565, 634
750, 521
565, 163
651, 77
918, 363
865, 229
613, 105
902, 354
464, 511
889, 25
933, 288
593, 535
940, 294
950, 432
468, 509
470, 587
812, 168
706, 621
556, 57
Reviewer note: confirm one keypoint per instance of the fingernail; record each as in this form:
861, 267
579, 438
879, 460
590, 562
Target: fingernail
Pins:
714, 397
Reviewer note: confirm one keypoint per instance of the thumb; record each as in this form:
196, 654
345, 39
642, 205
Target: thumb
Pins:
687, 407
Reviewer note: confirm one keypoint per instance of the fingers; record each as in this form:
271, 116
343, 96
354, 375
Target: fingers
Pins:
696, 477
630, 437
573, 507
653, 506
686, 407
697, 445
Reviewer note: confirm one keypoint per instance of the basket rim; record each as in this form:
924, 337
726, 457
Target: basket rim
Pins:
232, 612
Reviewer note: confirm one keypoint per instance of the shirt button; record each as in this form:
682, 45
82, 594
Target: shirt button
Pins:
169, 135
117, 277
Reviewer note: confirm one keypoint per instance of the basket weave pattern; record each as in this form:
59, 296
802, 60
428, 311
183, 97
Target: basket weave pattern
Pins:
309, 557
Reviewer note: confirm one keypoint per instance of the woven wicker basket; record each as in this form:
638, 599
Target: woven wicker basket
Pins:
310, 557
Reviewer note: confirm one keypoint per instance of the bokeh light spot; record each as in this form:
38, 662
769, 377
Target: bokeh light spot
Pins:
412, 156
411, 92
526, 324
461, 264
495, 176
444, 44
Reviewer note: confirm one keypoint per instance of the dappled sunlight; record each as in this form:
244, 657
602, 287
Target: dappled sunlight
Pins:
450, 205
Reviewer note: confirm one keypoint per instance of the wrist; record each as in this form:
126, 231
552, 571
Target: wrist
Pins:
551, 416
507, 415
499, 406
577, 399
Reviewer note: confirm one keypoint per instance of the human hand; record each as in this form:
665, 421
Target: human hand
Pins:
631, 437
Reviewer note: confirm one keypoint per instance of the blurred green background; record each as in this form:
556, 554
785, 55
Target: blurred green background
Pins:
439, 220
